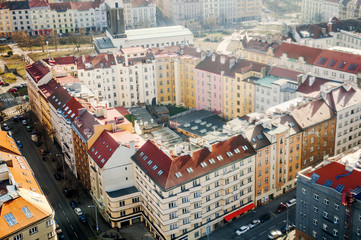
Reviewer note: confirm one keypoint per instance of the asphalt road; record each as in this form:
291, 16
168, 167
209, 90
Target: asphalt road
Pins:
44, 172
277, 221
8, 100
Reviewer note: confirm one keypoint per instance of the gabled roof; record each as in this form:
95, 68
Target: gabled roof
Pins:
339, 61
7, 144
288, 121
103, 60
37, 70
337, 173
215, 66
162, 169
19, 5
256, 136
122, 110
62, 60
284, 73
59, 97
243, 66
312, 113
85, 123
296, 51
60, 7
311, 86
103, 148
48, 89
81, 6
343, 97
38, 4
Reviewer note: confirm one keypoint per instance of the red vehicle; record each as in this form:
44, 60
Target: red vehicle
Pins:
1, 82
6, 84
281, 208
13, 90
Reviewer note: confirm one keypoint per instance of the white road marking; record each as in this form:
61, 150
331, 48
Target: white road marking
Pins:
75, 234
262, 233
71, 226
67, 219
64, 213
59, 205
272, 227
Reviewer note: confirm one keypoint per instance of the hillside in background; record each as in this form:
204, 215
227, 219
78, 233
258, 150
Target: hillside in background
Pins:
283, 6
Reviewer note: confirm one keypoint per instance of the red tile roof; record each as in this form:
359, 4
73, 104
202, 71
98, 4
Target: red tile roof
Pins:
59, 97
62, 60
334, 169
343, 97
67, 79
243, 66
81, 6
312, 113
189, 167
141, 3
295, 51
284, 73
60, 7
70, 109
37, 70
311, 86
340, 61
84, 124
103, 148
38, 3
215, 66
48, 89
122, 110
258, 46
103, 60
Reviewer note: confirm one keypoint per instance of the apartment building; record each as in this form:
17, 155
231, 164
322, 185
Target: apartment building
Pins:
296, 57
20, 16
350, 9
143, 14
345, 101
40, 15
112, 176
5, 20
337, 66
318, 122
209, 81
348, 39
100, 16
136, 70
187, 195
271, 91
25, 211
62, 17
257, 50
315, 11
239, 88
175, 74
328, 200
83, 15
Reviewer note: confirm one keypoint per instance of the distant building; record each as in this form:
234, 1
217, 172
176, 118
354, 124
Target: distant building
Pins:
6, 29
20, 12
314, 11
328, 200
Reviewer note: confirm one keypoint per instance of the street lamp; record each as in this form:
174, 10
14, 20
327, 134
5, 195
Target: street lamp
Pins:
96, 216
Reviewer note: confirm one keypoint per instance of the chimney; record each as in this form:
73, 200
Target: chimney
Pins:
126, 59
213, 57
106, 57
223, 59
83, 58
132, 146
329, 27
198, 49
232, 62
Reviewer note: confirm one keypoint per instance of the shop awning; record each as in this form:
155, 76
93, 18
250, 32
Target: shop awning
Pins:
239, 211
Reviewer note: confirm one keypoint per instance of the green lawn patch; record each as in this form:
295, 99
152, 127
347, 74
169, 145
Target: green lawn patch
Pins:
42, 55
173, 110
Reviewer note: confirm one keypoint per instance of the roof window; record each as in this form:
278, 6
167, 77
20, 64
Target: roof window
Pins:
145, 157
178, 174
322, 61
190, 170
244, 147
150, 162
332, 63
103, 160
155, 167
141, 154
219, 157
341, 65
236, 151
259, 136
229, 154
203, 164
211, 161
26, 212
10, 219
160, 172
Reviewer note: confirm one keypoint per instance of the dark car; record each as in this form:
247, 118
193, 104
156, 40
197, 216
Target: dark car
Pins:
15, 119
288, 228
73, 204
6, 84
265, 217
68, 192
83, 219
57, 176
5, 127
281, 208
20, 145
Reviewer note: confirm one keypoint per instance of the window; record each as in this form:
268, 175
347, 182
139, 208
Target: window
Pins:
315, 222
33, 230
325, 214
121, 203
335, 232
10, 219
335, 219
315, 209
337, 207
303, 191
325, 201
315, 197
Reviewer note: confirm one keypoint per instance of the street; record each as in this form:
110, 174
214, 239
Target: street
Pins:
277, 221
44, 171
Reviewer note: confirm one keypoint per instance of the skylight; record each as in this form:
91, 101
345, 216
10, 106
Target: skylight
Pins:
236, 151
155, 167
204, 164
341, 64
219, 157
150, 162
160, 172
26, 212
229, 154
190, 170
328, 183
352, 67
339, 188
141, 154
332, 63
103, 160
145, 157
322, 61
253, 139
178, 174
244, 147
10, 219
211, 161
259, 136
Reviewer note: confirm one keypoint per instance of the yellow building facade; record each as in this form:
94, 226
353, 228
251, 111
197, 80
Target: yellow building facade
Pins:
5, 21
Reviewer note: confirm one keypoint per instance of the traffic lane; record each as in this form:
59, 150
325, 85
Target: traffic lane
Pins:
66, 217
276, 222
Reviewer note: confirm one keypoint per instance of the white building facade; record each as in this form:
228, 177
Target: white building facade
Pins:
314, 11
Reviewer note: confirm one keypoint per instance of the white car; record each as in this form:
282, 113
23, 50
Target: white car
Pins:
291, 202
254, 223
78, 211
242, 230
274, 234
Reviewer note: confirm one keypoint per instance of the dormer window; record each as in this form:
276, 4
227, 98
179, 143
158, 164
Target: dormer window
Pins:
236, 151
145, 157
203, 164
190, 170
150, 162
178, 174
229, 154
141, 154
211, 161
219, 157
160, 172
244, 147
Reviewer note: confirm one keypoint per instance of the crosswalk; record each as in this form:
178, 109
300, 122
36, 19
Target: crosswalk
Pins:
14, 112
10, 99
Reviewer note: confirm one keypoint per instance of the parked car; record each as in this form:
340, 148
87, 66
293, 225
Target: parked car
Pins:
265, 217
34, 137
24, 122
5, 127
24, 85
57, 176
282, 207
254, 223
291, 202
78, 211
73, 204
13, 90
15, 119
83, 219
20, 145
29, 129
274, 234
242, 230
1, 82
6, 84
68, 192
